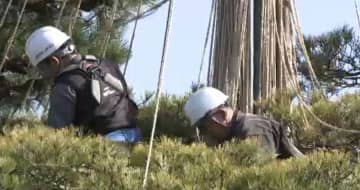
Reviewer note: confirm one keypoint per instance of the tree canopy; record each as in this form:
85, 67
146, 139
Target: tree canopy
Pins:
335, 56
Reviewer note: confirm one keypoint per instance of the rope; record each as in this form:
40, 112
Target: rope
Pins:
23, 103
209, 27
132, 39
61, 13
244, 54
206, 42
12, 38
211, 51
282, 48
147, 12
325, 124
109, 29
307, 108
295, 19
73, 21
303, 103
159, 86
357, 12
28, 92
5, 13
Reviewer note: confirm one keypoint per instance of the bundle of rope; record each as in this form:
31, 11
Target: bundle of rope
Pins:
294, 82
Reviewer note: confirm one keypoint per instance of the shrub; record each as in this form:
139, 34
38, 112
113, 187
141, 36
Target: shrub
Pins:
35, 157
342, 113
171, 119
41, 158
317, 171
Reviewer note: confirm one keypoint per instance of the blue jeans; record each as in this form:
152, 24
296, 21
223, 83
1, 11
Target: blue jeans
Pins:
131, 135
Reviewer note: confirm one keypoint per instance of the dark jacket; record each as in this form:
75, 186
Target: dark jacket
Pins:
72, 101
270, 133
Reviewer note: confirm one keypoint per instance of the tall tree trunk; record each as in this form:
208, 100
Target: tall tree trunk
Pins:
273, 47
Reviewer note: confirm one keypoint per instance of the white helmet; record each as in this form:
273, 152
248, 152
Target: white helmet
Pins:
203, 101
43, 42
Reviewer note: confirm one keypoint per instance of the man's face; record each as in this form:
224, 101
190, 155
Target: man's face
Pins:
49, 68
217, 131
216, 125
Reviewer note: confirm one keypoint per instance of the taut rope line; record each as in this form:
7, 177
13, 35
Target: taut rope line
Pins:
158, 91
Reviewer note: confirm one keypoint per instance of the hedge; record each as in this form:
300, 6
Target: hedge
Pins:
42, 158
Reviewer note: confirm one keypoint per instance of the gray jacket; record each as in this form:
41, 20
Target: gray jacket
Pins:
269, 132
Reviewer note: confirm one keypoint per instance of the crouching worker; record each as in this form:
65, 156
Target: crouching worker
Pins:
207, 109
87, 91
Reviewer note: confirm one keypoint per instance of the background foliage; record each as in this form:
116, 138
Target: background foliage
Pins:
335, 58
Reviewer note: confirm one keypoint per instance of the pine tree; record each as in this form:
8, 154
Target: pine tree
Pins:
89, 26
335, 56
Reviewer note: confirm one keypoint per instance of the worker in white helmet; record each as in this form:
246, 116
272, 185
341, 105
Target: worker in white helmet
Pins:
88, 92
207, 109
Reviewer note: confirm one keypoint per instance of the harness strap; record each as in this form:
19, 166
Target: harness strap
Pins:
94, 71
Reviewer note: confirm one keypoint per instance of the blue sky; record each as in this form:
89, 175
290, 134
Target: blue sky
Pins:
187, 38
